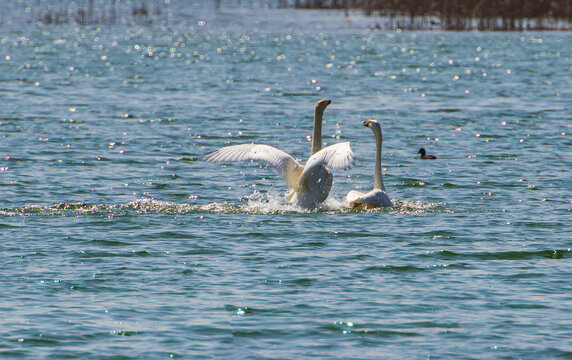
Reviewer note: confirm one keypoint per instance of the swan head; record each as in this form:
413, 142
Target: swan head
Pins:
372, 124
421, 151
323, 104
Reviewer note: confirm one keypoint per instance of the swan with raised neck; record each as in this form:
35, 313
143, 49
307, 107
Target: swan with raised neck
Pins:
319, 109
378, 196
309, 184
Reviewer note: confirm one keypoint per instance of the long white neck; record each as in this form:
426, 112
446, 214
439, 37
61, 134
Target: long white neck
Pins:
317, 137
377, 178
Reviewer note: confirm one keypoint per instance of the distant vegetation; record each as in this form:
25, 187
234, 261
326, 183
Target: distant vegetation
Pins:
86, 12
507, 15
456, 14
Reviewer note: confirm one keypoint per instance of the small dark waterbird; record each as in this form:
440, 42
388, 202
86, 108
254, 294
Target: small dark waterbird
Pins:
424, 156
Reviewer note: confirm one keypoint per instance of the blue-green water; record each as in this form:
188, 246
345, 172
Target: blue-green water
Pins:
119, 241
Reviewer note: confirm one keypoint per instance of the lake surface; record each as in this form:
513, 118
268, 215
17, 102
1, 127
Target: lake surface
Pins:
120, 242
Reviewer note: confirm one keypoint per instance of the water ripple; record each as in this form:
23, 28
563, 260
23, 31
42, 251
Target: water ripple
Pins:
555, 254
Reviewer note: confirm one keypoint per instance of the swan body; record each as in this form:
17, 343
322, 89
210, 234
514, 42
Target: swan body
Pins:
374, 199
315, 181
311, 183
378, 196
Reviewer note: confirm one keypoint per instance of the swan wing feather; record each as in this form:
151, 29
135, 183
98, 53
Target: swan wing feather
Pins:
285, 164
337, 156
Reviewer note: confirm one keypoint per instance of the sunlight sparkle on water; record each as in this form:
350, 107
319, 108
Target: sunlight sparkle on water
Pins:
102, 133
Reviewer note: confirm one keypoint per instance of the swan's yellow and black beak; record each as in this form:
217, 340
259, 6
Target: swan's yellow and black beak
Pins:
366, 123
323, 103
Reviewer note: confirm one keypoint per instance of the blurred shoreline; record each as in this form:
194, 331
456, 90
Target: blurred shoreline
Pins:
456, 15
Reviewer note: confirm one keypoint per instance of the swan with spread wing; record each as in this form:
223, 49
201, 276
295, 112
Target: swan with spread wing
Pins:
311, 183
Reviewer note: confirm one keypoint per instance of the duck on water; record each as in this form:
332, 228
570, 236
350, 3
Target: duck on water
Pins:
424, 155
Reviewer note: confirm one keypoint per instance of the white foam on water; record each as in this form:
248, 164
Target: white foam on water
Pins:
271, 202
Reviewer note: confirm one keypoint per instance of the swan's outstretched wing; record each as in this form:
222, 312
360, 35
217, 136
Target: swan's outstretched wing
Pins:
276, 158
337, 156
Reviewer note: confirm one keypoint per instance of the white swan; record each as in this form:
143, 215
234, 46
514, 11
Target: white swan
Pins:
309, 184
378, 196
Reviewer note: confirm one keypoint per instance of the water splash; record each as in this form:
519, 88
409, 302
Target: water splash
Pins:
273, 203
139, 206
269, 203
256, 203
415, 207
